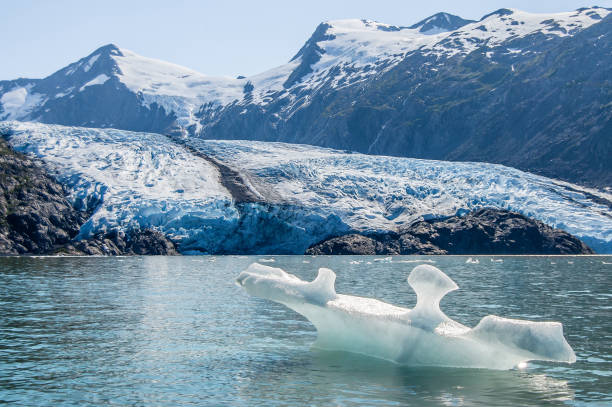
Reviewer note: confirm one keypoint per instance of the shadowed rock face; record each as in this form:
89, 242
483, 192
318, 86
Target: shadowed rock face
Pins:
34, 213
486, 231
145, 242
36, 217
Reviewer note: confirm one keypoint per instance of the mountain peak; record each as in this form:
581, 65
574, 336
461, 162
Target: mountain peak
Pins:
108, 49
440, 22
500, 13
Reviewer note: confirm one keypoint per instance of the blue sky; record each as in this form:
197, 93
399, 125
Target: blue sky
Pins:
222, 37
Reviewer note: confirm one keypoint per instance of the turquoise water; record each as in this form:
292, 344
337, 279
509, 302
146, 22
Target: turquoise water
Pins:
168, 331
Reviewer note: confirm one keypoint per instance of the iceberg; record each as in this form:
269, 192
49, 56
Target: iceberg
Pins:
421, 336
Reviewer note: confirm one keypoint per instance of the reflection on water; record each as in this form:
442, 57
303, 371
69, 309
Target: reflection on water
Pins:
177, 331
355, 376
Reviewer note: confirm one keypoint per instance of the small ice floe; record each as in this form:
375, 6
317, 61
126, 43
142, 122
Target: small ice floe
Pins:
570, 262
605, 262
497, 260
416, 261
421, 336
306, 261
384, 260
267, 260
472, 261
355, 261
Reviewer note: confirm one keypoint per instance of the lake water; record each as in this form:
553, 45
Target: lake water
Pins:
169, 331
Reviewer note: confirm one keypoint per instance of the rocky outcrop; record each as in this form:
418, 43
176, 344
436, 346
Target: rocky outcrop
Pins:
145, 242
35, 216
486, 231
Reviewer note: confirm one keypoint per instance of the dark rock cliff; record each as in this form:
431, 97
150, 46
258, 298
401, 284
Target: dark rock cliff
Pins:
116, 242
486, 231
35, 216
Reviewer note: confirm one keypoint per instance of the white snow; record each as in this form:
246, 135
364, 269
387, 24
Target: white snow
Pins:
421, 336
359, 43
184, 91
92, 60
18, 102
146, 180
98, 80
434, 30
64, 93
174, 87
14, 99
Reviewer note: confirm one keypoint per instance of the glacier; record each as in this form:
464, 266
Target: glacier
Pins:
380, 193
132, 180
421, 336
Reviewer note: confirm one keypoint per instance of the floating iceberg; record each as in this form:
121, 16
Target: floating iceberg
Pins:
422, 336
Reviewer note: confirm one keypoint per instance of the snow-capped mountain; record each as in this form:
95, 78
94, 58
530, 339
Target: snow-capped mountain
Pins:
115, 87
303, 194
439, 23
525, 90
510, 88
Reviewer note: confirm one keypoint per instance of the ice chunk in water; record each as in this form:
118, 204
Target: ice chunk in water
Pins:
423, 335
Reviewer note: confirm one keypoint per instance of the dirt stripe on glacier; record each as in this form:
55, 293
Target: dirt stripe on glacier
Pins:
241, 190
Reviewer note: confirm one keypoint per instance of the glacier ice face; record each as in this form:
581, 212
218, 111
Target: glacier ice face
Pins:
377, 193
422, 336
128, 179
145, 180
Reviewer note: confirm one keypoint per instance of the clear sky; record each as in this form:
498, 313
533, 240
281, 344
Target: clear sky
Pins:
222, 37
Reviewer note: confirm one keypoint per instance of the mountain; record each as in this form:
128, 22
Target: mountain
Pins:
268, 197
526, 90
113, 87
440, 23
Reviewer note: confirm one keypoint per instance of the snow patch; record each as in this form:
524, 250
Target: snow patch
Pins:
435, 30
90, 62
174, 87
98, 80
14, 99
19, 102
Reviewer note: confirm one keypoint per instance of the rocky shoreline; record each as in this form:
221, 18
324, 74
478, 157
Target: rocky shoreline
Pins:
485, 231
